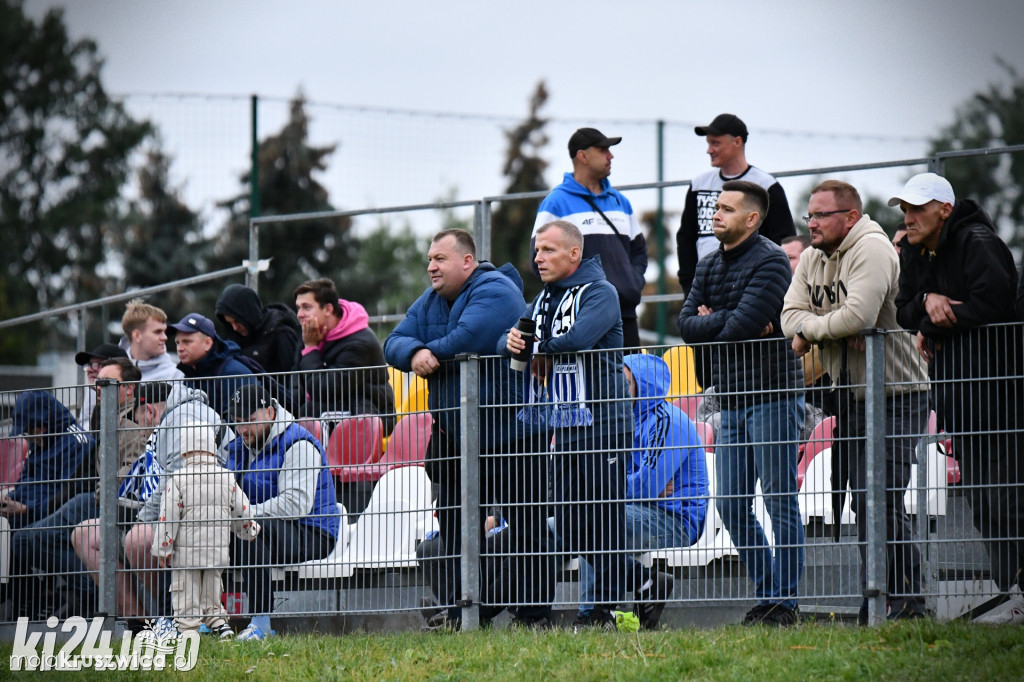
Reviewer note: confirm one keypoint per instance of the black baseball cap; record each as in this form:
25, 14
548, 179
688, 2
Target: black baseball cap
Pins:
584, 138
724, 124
247, 400
153, 392
104, 351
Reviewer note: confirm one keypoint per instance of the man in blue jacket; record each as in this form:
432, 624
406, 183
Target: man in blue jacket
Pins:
667, 483
605, 218
578, 390
59, 451
283, 471
209, 363
467, 308
736, 304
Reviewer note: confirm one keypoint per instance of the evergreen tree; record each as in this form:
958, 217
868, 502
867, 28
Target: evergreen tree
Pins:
512, 222
992, 117
65, 146
322, 247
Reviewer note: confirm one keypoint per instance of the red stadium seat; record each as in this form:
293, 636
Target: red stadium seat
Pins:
707, 436
13, 452
819, 441
407, 446
354, 442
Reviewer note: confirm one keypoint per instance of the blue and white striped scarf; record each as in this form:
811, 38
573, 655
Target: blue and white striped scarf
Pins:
560, 398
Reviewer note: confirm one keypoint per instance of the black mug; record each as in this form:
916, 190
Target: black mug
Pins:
527, 328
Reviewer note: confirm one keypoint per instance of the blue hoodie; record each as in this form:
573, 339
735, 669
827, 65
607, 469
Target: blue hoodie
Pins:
63, 452
665, 446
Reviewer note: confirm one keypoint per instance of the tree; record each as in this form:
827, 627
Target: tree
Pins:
65, 146
512, 222
390, 271
161, 238
992, 117
322, 247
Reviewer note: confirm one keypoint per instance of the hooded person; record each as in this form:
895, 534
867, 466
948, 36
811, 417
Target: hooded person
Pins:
269, 334
60, 452
667, 478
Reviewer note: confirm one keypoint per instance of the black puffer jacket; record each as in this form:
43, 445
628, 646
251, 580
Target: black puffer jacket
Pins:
744, 287
970, 264
274, 331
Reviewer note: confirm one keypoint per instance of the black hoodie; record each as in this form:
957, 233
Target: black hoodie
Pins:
275, 335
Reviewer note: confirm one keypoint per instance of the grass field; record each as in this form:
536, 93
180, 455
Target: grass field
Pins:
904, 651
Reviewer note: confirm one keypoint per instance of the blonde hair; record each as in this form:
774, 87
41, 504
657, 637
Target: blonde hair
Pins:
136, 313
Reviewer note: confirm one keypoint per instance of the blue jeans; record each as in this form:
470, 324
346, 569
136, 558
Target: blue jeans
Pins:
648, 527
760, 441
46, 545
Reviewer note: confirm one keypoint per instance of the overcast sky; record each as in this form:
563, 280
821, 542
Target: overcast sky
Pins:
889, 71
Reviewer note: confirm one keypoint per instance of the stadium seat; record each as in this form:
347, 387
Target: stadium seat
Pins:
819, 440
407, 446
707, 437
13, 452
935, 485
415, 399
314, 426
688, 404
684, 378
355, 442
816, 492
399, 514
396, 378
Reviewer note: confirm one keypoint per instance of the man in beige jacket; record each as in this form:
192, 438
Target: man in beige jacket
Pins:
846, 282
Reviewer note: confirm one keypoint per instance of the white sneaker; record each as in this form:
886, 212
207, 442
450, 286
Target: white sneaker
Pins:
1010, 612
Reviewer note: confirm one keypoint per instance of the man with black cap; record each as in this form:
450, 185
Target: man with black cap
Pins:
283, 470
605, 217
727, 141
209, 363
92, 361
957, 278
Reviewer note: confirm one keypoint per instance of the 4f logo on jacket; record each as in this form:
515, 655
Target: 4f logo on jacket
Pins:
819, 292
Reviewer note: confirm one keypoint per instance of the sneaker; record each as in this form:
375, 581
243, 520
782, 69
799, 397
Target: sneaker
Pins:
531, 622
1010, 612
596, 619
253, 633
756, 615
651, 602
164, 628
223, 632
778, 615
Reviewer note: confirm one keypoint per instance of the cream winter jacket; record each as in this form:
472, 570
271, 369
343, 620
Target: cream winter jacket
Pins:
201, 505
834, 297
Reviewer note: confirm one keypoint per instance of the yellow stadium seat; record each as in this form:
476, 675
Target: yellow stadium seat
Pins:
684, 378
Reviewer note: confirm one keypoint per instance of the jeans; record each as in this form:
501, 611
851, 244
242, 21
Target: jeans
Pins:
648, 527
760, 441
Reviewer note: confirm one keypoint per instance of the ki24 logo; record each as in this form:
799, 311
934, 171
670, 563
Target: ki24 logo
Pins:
141, 651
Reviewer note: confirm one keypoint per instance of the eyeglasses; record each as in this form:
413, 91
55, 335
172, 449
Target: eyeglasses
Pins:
95, 364
819, 215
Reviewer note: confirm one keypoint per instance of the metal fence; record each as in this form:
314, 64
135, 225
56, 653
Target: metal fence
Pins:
458, 515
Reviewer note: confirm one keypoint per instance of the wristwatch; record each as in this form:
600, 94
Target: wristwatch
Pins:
924, 297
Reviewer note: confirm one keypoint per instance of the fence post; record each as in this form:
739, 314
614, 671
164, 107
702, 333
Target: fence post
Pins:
874, 521
469, 419
108, 461
936, 164
252, 275
482, 229
659, 230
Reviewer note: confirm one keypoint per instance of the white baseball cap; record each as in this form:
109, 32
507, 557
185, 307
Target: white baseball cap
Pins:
923, 188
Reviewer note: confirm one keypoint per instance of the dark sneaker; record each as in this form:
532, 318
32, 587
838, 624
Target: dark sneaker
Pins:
651, 602
777, 615
756, 615
223, 632
906, 609
597, 619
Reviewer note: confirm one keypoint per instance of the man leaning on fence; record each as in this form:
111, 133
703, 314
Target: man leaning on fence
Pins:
847, 282
735, 303
466, 309
282, 469
577, 389
957, 279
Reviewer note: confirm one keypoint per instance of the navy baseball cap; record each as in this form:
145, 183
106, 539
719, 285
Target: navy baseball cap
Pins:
194, 322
